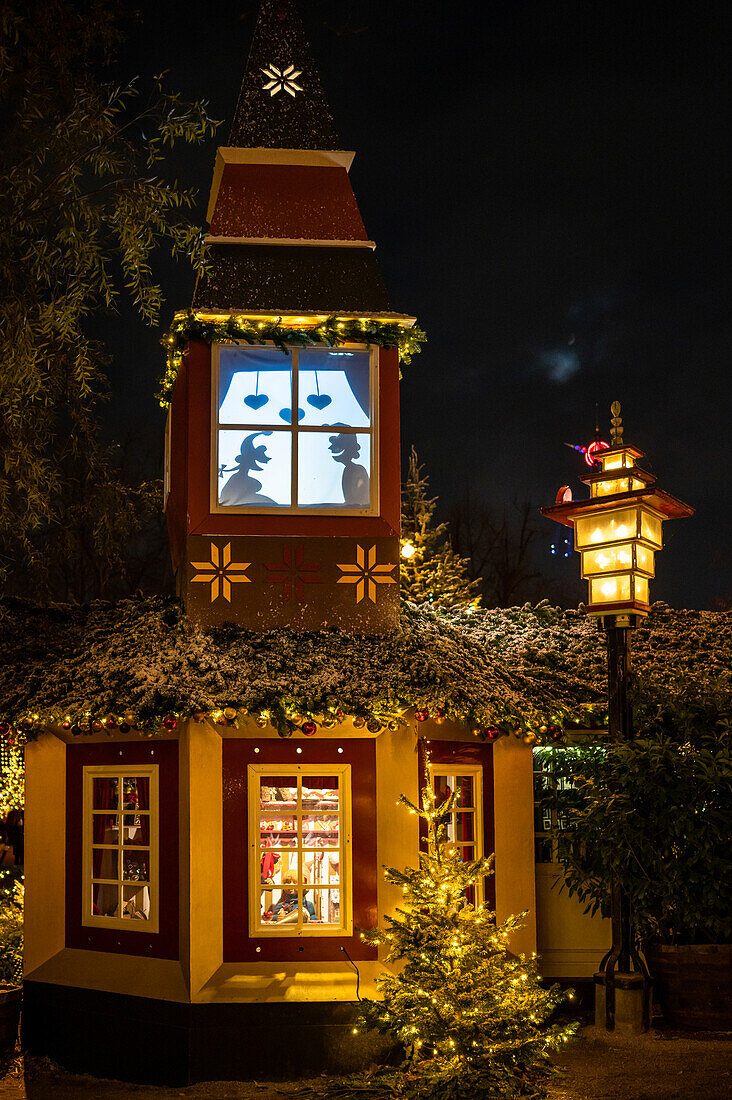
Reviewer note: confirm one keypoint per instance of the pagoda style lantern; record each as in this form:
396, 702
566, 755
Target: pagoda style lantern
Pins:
617, 532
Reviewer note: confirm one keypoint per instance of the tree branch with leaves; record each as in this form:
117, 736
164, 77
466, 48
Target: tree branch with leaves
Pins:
85, 202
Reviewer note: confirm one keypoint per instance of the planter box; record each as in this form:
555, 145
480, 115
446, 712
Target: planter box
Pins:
693, 985
11, 999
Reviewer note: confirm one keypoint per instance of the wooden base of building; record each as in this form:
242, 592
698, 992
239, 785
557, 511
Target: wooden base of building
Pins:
167, 1043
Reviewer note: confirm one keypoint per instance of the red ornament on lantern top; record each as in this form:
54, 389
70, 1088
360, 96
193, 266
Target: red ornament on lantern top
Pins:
170, 722
421, 715
492, 733
309, 728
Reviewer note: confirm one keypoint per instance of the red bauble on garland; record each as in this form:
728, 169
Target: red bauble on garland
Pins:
309, 728
421, 715
170, 722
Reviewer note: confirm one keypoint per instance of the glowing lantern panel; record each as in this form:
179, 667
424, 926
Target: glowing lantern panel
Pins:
618, 530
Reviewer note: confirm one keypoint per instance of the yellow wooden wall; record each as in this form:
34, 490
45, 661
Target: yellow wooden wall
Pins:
201, 975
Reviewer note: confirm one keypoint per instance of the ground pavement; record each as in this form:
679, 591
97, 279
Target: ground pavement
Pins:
662, 1065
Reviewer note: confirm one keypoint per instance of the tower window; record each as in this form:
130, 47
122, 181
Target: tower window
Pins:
294, 431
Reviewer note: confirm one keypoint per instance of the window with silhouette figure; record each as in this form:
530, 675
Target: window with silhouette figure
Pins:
294, 429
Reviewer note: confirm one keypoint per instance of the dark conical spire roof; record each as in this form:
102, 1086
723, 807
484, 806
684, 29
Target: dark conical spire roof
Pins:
281, 103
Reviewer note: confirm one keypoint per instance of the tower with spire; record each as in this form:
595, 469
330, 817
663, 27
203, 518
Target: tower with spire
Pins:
197, 879
283, 435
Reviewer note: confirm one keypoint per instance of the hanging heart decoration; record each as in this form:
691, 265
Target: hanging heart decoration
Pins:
256, 400
286, 415
319, 400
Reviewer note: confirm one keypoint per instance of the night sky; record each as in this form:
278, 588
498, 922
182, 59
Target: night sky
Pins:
548, 186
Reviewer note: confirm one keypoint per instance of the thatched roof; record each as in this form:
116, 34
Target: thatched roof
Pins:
522, 667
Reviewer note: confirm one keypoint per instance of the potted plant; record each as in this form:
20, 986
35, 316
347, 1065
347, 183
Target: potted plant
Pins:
11, 957
657, 810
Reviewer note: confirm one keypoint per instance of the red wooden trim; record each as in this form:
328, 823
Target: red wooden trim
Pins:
389, 442
198, 355
238, 753
357, 527
175, 512
286, 200
466, 752
163, 944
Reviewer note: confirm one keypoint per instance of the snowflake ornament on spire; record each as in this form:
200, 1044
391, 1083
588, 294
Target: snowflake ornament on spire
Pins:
281, 80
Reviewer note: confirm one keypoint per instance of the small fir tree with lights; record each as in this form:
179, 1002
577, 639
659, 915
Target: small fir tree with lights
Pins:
431, 571
472, 1018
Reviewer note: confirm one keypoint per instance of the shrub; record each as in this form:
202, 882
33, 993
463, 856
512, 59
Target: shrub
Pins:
657, 810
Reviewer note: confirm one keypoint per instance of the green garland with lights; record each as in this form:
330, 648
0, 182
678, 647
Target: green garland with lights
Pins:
141, 665
330, 332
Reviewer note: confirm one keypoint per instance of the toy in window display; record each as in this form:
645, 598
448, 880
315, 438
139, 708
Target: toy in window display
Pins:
285, 910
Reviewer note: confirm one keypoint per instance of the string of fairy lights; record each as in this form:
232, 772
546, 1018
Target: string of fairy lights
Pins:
313, 331
286, 723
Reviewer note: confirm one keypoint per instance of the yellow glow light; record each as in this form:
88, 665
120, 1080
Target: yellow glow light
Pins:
610, 589
408, 550
611, 526
615, 559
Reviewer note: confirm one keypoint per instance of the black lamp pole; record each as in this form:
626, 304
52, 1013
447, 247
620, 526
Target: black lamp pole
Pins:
623, 957
633, 509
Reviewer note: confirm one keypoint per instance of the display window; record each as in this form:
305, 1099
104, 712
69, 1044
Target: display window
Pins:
465, 825
120, 848
294, 431
300, 850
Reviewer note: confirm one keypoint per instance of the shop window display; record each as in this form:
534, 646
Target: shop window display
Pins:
300, 849
120, 847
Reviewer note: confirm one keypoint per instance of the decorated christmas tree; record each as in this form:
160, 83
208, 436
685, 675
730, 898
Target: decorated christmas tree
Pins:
431, 571
472, 1018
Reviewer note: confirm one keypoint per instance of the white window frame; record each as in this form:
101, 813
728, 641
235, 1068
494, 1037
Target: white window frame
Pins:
295, 430
259, 929
475, 772
88, 918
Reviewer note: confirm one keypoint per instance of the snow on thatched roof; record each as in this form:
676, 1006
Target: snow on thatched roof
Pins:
518, 666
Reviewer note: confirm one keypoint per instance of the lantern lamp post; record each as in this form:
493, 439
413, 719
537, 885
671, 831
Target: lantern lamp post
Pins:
617, 531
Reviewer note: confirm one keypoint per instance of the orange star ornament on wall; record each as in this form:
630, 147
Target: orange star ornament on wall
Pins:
366, 574
220, 572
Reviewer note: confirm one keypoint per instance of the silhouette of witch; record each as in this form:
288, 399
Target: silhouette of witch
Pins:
241, 488
345, 448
